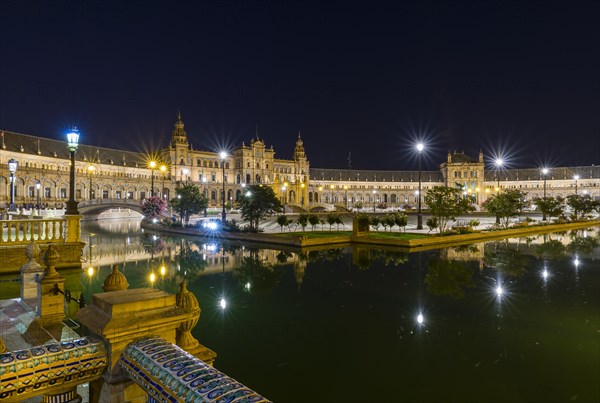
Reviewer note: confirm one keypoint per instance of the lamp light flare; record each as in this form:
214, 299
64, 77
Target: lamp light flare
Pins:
576, 262
223, 303
223, 155
499, 162
420, 147
545, 171
420, 319
90, 271
545, 274
163, 270
499, 291
152, 277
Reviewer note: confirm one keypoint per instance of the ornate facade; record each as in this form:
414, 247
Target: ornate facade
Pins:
118, 174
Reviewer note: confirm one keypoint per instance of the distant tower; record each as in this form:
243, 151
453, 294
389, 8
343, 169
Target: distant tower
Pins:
179, 149
302, 171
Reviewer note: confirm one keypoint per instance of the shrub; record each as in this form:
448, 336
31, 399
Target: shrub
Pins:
432, 223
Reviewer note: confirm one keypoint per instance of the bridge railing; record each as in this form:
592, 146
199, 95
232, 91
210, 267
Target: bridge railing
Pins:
14, 232
99, 202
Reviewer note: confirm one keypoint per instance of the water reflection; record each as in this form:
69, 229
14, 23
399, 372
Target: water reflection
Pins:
512, 310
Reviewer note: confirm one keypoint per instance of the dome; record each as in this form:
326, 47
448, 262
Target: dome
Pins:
115, 281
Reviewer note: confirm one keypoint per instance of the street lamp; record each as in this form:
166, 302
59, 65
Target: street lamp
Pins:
38, 186
374, 193
223, 155
90, 169
163, 169
320, 194
332, 187
420, 148
73, 140
12, 167
283, 195
544, 173
576, 177
498, 163
346, 196
152, 165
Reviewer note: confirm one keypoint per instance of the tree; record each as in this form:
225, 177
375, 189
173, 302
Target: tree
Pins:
389, 220
432, 223
446, 203
375, 222
401, 220
506, 205
188, 201
283, 221
258, 203
581, 205
302, 220
550, 206
332, 218
153, 207
313, 219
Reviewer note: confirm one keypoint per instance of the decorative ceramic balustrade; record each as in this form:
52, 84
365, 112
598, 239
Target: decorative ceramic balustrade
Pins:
16, 232
169, 374
27, 373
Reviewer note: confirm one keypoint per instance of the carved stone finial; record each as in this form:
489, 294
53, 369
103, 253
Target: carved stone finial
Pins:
2, 347
50, 259
189, 303
32, 251
115, 281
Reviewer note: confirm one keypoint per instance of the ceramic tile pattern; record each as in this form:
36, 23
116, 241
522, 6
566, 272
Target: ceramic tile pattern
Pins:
26, 370
169, 374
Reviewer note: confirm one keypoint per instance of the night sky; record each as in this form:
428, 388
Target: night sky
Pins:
521, 79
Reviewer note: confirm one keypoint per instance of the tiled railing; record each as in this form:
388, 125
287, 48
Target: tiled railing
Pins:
14, 232
169, 374
32, 372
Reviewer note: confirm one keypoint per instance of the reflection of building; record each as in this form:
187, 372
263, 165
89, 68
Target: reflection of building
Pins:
126, 174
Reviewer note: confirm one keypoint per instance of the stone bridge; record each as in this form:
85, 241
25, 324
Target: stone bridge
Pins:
97, 206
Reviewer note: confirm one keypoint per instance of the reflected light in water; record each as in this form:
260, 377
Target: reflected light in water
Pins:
163, 270
499, 291
152, 278
248, 286
545, 274
223, 303
90, 271
576, 262
420, 319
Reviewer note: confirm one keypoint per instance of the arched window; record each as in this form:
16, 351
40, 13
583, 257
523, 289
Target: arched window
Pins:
238, 194
257, 178
247, 178
213, 195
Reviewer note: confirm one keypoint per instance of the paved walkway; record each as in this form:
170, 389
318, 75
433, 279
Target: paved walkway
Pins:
270, 224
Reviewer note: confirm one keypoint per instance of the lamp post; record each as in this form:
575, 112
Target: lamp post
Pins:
163, 169
498, 163
576, 177
38, 186
152, 165
73, 140
90, 169
283, 194
346, 196
374, 193
544, 173
12, 167
320, 194
223, 155
420, 148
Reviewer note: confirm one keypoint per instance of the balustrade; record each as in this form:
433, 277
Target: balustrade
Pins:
24, 231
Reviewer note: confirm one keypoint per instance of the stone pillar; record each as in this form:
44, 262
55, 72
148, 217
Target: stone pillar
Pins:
51, 304
189, 303
73, 228
119, 318
29, 274
69, 396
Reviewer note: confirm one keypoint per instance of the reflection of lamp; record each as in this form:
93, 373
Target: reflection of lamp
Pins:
576, 177
73, 140
12, 167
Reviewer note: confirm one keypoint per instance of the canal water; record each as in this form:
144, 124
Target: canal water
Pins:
514, 320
